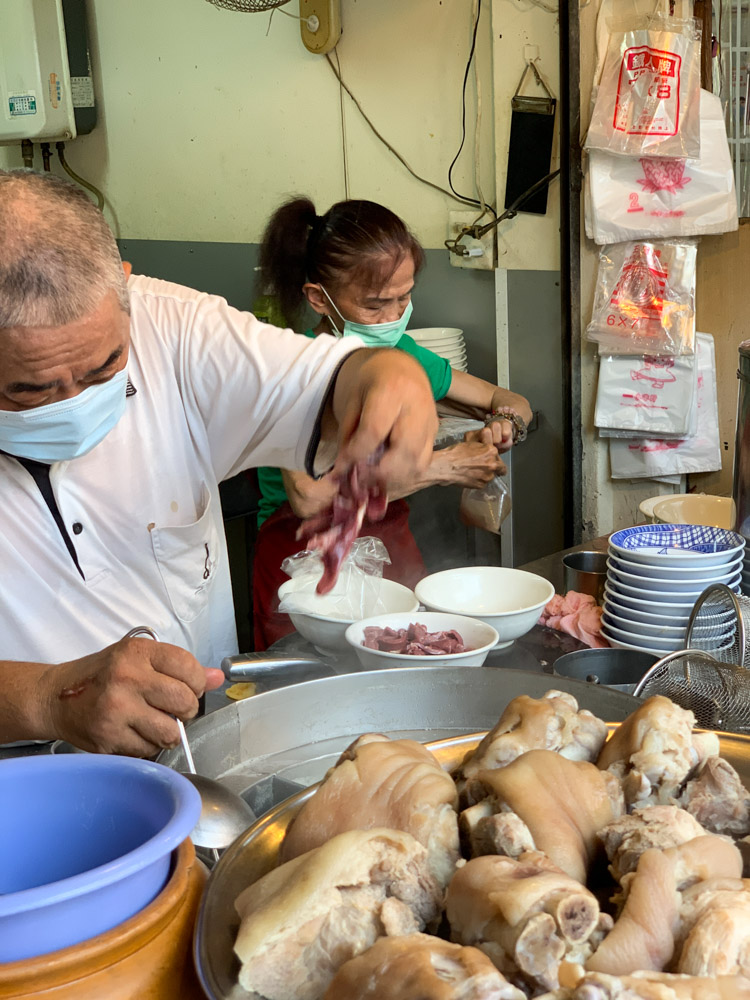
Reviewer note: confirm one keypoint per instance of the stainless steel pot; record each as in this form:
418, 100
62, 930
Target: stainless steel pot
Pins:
615, 668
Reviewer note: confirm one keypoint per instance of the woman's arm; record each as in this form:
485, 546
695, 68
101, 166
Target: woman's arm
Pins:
473, 397
471, 464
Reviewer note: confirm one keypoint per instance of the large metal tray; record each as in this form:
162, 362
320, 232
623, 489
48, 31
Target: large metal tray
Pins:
256, 852
269, 746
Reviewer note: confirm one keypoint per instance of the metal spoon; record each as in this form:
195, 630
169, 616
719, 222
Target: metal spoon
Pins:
224, 815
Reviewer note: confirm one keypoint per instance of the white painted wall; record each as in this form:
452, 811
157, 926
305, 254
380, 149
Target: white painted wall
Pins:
208, 122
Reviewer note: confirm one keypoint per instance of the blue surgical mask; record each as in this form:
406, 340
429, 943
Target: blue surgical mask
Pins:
58, 432
373, 334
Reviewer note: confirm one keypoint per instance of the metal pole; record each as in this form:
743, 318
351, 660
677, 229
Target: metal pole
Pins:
570, 267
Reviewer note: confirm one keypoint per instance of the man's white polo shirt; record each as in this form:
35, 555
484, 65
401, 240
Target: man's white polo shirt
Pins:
216, 392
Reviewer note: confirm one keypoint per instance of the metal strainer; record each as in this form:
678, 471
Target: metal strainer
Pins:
248, 6
720, 624
718, 694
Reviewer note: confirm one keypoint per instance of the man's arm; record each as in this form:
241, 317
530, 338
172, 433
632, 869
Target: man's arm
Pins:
381, 397
119, 700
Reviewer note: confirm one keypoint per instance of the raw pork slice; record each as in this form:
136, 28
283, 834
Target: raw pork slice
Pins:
332, 532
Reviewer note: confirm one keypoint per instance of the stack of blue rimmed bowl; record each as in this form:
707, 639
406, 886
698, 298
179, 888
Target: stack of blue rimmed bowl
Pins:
655, 574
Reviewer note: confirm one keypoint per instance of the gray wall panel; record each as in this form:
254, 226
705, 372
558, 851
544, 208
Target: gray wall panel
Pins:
536, 371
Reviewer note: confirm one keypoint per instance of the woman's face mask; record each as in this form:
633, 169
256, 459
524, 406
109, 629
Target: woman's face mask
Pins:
373, 334
61, 431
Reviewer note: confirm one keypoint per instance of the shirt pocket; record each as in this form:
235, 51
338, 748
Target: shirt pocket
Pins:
188, 558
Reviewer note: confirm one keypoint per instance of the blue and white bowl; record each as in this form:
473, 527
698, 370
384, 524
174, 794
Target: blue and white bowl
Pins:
629, 582
684, 544
665, 569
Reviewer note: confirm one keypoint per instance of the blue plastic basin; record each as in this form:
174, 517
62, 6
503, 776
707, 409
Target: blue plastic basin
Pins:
86, 842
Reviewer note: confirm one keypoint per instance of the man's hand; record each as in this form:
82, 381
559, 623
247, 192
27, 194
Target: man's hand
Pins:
122, 699
383, 397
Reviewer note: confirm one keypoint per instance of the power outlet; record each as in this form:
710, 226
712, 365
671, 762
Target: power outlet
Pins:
488, 260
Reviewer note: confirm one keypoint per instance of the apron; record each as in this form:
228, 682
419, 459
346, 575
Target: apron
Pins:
276, 540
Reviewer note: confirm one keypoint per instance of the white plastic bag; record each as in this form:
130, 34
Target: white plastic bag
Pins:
451, 430
486, 508
647, 102
630, 199
645, 298
356, 593
648, 396
699, 453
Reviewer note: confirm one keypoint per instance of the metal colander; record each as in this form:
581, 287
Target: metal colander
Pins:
248, 6
718, 694
720, 624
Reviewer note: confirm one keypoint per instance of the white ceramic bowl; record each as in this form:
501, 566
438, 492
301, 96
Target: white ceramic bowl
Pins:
510, 600
665, 570
666, 585
695, 509
673, 609
665, 644
641, 628
327, 633
669, 596
679, 544
644, 647
646, 507
634, 621
476, 634
426, 333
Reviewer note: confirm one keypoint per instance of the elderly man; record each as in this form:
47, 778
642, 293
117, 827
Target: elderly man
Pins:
124, 402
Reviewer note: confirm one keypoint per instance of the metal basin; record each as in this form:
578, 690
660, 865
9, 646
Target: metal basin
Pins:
615, 668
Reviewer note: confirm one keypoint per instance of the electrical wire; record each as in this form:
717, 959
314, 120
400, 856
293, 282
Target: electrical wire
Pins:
472, 201
478, 140
550, 9
344, 153
60, 146
399, 157
477, 232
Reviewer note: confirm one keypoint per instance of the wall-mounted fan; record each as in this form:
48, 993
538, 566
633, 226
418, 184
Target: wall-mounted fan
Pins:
320, 20
248, 6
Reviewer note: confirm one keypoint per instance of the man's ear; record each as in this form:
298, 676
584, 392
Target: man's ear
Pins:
316, 299
127, 268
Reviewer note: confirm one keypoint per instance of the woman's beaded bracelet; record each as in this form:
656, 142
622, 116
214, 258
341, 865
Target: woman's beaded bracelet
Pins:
520, 430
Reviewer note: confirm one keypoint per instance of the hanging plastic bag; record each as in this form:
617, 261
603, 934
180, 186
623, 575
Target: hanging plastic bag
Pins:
356, 593
647, 102
487, 507
649, 396
452, 430
629, 199
645, 298
650, 458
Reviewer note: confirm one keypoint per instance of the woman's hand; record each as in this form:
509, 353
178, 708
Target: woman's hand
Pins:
498, 432
471, 464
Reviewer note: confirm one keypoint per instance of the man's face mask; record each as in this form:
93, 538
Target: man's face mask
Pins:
58, 432
373, 334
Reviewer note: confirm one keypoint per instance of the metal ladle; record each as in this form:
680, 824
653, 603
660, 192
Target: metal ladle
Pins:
224, 815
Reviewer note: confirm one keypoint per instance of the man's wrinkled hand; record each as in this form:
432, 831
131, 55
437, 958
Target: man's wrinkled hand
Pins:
123, 698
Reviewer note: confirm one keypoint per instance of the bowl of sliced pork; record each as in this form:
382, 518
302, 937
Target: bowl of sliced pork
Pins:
421, 639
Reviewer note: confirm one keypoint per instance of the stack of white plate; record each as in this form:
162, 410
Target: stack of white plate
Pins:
655, 574
448, 342
745, 581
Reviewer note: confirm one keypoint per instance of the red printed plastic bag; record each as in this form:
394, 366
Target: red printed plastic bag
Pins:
647, 103
649, 396
645, 298
647, 458
629, 199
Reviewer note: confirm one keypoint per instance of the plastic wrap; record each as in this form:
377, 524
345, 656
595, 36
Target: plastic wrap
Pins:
354, 596
486, 508
647, 102
645, 298
451, 430
631, 198
649, 458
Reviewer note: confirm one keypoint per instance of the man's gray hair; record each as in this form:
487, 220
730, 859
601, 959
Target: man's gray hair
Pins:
58, 257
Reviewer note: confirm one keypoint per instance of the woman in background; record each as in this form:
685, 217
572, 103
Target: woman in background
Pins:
355, 267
